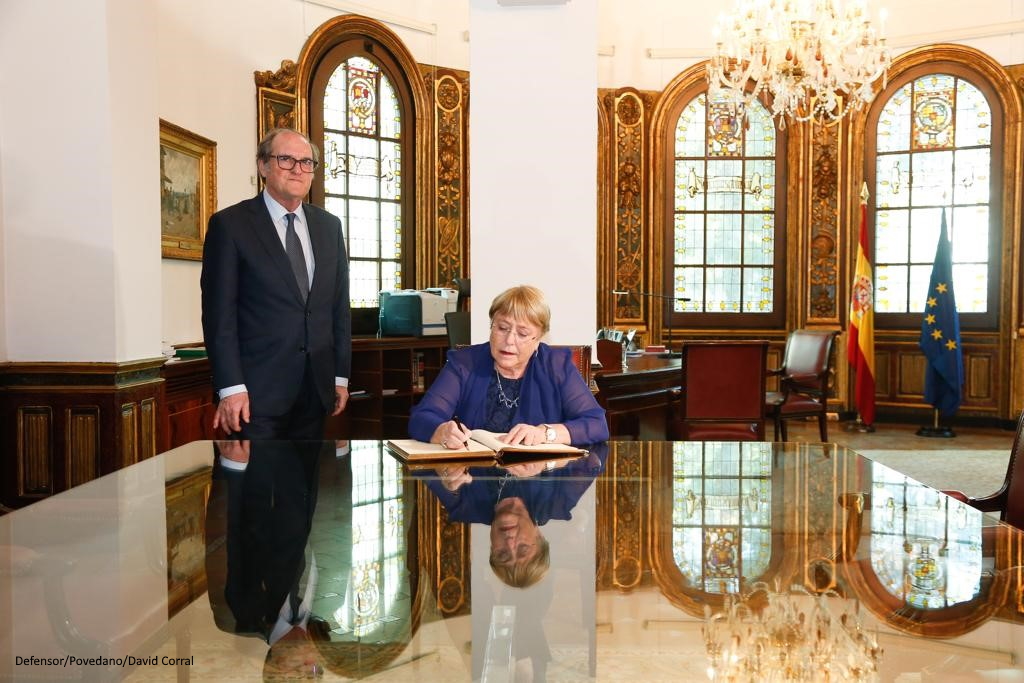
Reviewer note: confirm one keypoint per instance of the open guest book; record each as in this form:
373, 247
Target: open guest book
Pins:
485, 448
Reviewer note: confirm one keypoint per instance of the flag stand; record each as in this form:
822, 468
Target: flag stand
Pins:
935, 431
858, 425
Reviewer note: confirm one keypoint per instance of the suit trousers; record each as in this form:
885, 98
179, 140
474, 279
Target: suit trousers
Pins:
304, 421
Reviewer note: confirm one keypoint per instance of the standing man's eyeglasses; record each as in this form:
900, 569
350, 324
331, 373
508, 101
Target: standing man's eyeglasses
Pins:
286, 163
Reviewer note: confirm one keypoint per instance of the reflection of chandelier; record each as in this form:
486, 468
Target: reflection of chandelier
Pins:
790, 638
818, 59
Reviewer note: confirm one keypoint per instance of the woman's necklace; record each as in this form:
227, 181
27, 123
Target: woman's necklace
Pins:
501, 484
502, 398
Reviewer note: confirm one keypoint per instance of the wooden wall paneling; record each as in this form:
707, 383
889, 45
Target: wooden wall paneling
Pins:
82, 445
449, 89
72, 422
34, 451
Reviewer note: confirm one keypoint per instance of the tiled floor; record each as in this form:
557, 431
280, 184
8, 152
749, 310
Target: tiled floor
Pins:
891, 436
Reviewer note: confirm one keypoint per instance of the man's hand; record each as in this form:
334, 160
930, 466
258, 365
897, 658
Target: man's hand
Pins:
340, 399
232, 411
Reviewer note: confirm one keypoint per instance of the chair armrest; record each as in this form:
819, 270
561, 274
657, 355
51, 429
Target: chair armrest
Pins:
803, 378
774, 372
993, 503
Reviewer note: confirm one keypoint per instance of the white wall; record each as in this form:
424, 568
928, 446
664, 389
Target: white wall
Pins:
533, 160
78, 176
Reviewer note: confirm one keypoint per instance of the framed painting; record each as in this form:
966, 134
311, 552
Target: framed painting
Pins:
188, 191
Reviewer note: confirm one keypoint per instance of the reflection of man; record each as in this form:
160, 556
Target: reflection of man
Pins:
275, 302
268, 490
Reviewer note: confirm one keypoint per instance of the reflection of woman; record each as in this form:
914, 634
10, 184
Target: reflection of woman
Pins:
513, 384
516, 501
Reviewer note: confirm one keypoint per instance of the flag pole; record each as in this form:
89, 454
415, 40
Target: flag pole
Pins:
858, 425
935, 431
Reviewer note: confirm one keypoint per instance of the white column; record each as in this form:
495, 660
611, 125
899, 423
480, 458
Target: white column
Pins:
533, 159
79, 181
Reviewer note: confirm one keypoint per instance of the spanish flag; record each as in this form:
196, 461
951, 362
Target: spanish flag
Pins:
861, 349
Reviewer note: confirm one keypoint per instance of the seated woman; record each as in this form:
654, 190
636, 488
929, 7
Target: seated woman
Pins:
514, 384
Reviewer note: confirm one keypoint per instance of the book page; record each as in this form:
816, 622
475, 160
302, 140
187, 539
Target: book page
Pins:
493, 440
411, 449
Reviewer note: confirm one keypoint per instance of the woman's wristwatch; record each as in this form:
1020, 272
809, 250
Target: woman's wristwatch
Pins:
549, 433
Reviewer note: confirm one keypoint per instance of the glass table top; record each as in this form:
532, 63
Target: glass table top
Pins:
640, 561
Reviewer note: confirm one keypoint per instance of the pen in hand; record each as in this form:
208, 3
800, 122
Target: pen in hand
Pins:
462, 428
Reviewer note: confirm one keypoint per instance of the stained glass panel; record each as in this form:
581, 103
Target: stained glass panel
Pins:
690, 130
725, 130
932, 116
364, 229
335, 156
932, 178
758, 290
390, 170
364, 283
892, 236
364, 167
361, 88
894, 122
891, 289
760, 132
689, 238
968, 234
689, 283
390, 113
390, 230
724, 286
689, 189
759, 185
970, 281
336, 101
973, 117
723, 239
893, 178
971, 175
758, 239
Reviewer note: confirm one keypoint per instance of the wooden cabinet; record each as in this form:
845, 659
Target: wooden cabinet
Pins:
389, 376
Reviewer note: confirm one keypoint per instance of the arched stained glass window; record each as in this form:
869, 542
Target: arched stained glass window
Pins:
934, 152
725, 209
364, 128
721, 513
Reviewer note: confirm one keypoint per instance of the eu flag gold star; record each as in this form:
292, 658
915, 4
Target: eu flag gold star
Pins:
936, 334
951, 344
941, 288
930, 319
932, 302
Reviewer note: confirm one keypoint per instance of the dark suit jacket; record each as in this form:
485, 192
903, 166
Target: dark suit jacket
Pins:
257, 329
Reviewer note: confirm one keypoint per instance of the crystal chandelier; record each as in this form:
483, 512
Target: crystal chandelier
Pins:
770, 636
818, 59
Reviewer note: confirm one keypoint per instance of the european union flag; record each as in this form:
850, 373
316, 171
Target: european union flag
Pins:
940, 333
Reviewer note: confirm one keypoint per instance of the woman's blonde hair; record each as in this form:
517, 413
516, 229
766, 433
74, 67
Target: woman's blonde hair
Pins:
523, 303
525, 574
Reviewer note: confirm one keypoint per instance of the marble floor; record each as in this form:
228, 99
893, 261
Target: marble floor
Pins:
894, 436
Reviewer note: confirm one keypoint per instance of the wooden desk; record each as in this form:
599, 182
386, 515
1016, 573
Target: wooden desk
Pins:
637, 399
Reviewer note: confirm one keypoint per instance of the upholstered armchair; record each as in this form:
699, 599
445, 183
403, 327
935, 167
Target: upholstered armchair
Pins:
1008, 501
803, 381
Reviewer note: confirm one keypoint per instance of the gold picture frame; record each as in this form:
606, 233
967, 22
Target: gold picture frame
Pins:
188, 191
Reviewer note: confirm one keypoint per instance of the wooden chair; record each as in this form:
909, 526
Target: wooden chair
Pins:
581, 359
1008, 501
803, 381
722, 394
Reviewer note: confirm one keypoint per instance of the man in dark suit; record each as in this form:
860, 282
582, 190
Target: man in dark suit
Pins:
275, 302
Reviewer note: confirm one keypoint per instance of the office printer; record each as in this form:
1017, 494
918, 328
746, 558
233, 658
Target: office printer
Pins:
414, 312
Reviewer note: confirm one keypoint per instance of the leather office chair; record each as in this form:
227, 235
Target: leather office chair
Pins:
1008, 501
803, 381
581, 359
722, 394
457, 323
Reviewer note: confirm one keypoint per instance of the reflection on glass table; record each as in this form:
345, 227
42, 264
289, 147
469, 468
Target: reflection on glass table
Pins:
133, 575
